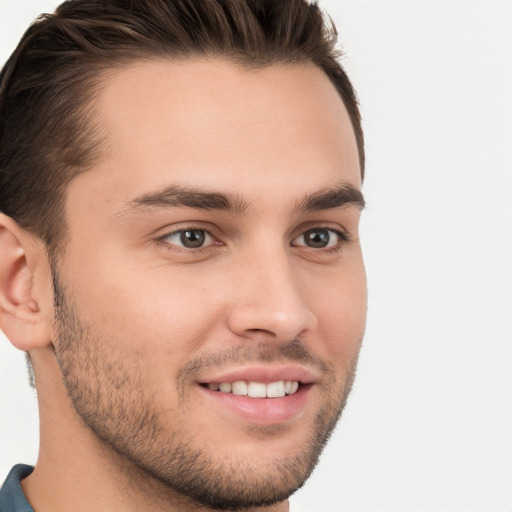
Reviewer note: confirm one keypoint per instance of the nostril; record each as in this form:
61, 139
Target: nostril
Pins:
261, 331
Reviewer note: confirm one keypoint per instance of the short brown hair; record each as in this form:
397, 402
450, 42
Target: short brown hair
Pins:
47, 136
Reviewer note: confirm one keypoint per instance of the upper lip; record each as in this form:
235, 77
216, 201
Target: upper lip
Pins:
265, 374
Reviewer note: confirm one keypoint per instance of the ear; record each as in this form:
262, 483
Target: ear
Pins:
25, 287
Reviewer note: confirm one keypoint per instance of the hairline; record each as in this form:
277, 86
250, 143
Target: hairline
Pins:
97, 80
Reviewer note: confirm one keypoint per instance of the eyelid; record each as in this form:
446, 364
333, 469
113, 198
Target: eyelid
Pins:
209, 240
328, 226
188, 227
341, 234
342, 237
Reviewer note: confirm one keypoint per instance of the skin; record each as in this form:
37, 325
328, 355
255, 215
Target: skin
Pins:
142, 321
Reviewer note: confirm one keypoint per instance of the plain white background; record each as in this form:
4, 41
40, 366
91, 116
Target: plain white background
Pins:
429, 424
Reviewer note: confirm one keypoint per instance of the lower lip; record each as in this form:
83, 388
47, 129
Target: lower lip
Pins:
264, 411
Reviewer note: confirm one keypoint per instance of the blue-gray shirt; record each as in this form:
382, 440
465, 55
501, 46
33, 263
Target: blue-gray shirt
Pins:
12, 498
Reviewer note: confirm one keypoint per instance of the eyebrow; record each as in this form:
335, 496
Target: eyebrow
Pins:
191, 197
336, 197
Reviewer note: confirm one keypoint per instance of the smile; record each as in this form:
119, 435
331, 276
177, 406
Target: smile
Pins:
264, 395
255, 389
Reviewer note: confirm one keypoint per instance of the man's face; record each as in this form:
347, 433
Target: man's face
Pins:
215, 247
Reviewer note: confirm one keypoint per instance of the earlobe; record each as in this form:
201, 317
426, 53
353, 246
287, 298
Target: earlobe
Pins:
23, 318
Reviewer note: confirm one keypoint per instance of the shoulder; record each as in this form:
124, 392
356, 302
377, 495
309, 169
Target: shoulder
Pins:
12, 498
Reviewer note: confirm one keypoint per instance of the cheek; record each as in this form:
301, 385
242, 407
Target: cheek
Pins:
153, 311
341, 314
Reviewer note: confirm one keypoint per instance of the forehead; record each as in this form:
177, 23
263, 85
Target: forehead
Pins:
211, 123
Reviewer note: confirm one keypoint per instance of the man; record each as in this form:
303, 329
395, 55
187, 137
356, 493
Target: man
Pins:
180, 196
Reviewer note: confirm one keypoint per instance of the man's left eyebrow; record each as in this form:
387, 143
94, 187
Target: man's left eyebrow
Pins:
343, 195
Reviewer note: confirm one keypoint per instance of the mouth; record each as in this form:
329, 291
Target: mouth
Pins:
254, 389
260, 395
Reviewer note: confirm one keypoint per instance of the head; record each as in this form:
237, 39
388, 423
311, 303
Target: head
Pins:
180, 189
48, 85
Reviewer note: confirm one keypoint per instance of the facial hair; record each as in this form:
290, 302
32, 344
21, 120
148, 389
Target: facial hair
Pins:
109, 392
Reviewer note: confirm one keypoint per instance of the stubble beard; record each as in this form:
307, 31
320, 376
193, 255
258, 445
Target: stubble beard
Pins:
110, 396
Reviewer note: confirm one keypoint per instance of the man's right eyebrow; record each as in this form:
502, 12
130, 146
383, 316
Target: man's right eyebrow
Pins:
185, 197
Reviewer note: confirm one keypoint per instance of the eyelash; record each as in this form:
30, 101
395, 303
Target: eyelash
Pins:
188, 250
343, 239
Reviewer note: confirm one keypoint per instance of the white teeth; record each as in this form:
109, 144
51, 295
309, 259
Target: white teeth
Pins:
253, 389
275, 389
225, 387
257, 390
239, 387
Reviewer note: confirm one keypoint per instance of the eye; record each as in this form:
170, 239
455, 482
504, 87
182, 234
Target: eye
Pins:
190, 238
319, 238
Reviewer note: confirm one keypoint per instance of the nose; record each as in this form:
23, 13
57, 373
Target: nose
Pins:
269, 300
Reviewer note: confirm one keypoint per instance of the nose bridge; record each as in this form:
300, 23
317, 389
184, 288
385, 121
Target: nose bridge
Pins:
270, 299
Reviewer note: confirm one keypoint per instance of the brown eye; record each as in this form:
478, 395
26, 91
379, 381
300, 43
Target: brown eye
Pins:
190, 238
319, 238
